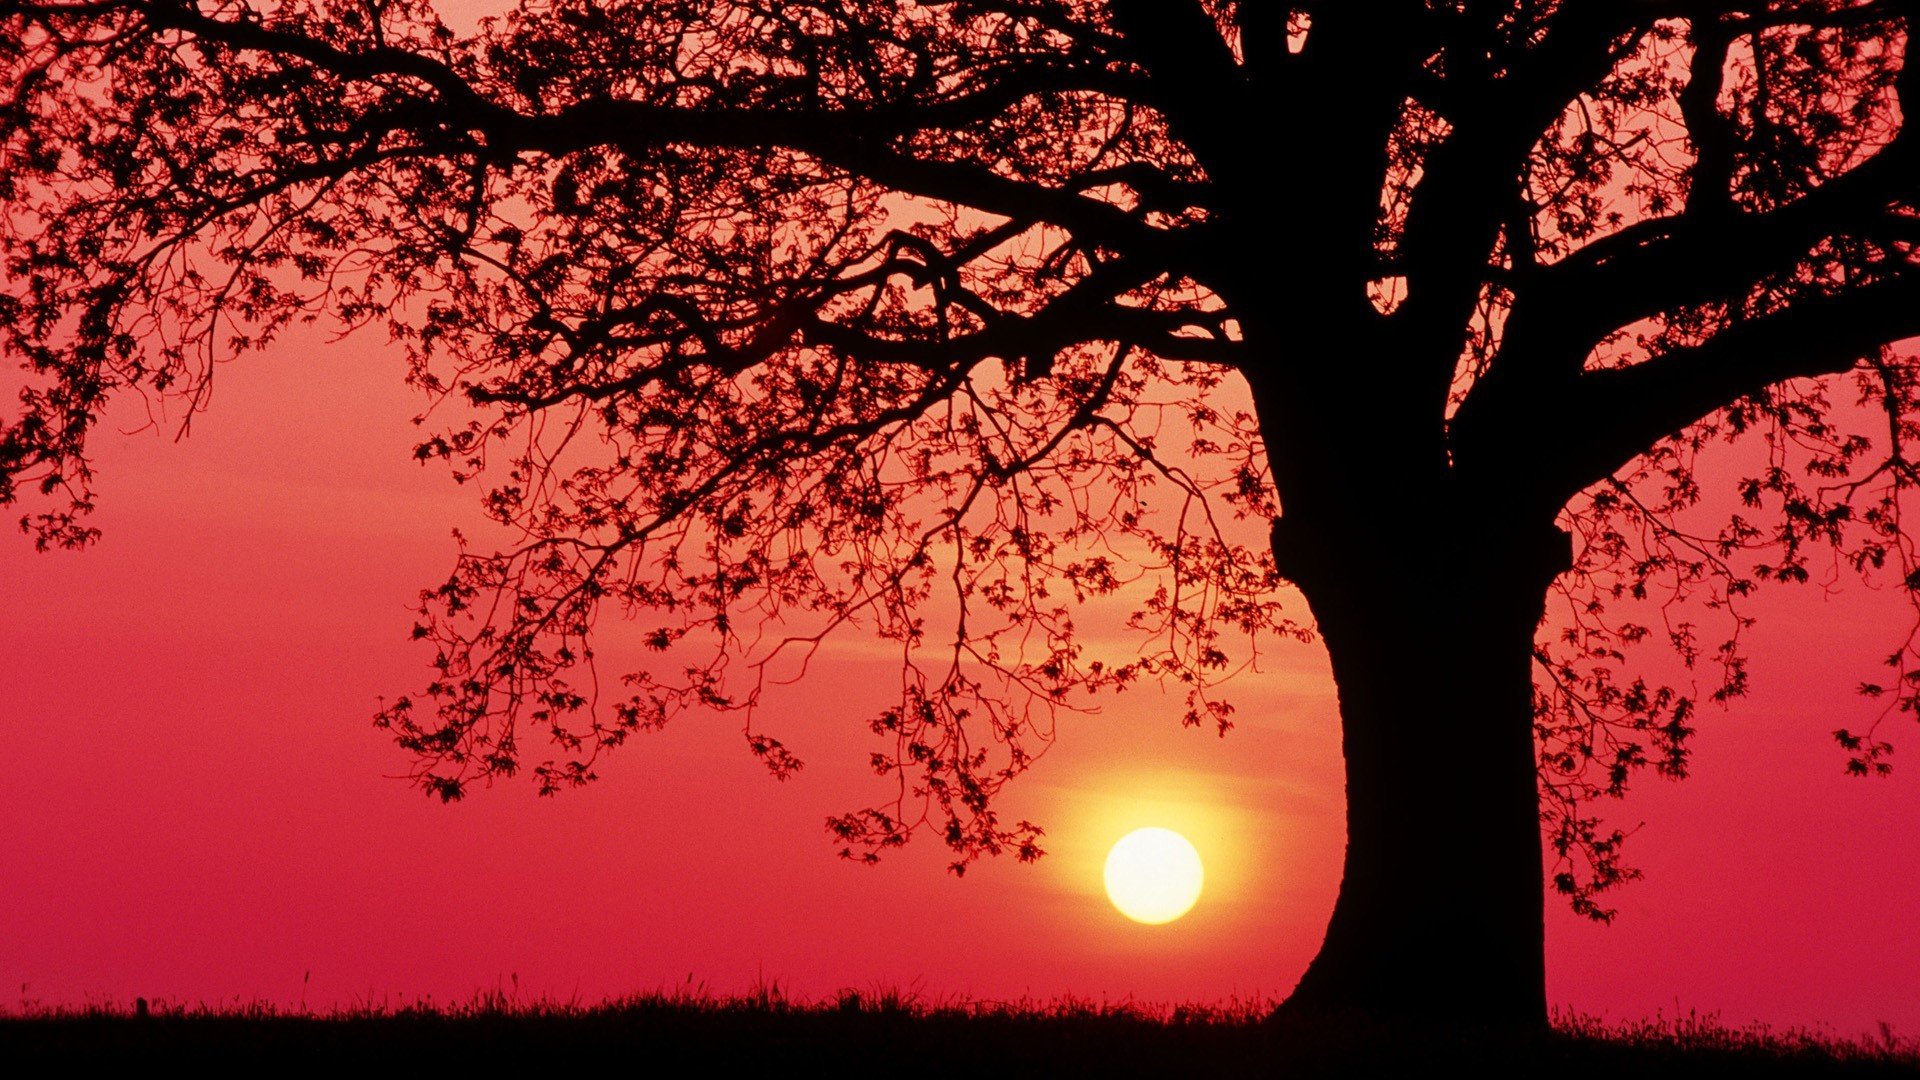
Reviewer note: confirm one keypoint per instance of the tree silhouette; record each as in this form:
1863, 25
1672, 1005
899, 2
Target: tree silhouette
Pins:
953, 323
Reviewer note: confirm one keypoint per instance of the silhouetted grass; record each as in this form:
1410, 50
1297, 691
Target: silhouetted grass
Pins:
902, 1033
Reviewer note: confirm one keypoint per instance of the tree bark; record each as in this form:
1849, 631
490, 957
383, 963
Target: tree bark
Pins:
1440, 912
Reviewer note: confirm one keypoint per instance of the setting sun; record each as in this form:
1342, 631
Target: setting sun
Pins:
1153, 875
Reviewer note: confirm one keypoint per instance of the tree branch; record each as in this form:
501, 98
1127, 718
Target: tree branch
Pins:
1664, 263
1192, 74
1471, 181
859, 140
1613, 415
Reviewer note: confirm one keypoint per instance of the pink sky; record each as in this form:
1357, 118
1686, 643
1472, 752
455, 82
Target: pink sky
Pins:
200, 809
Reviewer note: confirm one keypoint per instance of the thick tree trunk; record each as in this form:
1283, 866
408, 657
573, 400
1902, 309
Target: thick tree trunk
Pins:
1430, 629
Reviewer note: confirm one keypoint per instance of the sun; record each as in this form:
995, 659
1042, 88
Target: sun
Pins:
1153, 875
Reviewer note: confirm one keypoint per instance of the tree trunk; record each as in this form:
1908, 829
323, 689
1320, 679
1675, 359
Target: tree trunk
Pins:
1440, 913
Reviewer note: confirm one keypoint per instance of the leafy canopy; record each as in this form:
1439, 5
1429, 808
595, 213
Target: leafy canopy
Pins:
994, 328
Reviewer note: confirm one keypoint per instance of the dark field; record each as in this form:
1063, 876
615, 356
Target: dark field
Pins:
683, 1033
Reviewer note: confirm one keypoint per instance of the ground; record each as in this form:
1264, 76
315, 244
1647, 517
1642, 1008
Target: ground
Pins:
856, 1034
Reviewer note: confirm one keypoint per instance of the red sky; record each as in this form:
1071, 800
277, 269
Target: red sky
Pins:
198, 808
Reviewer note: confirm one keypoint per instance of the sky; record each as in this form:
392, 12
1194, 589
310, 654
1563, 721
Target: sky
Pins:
199, 809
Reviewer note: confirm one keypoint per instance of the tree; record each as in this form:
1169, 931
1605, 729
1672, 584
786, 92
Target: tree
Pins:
765, 321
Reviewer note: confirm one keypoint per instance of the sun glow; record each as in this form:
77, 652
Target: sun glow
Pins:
1153, 875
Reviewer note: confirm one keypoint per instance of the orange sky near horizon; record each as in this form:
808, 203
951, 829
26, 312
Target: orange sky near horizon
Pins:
201, 809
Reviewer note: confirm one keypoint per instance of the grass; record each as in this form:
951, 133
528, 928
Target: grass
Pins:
689, 1030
